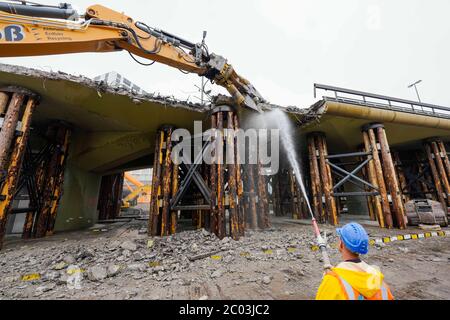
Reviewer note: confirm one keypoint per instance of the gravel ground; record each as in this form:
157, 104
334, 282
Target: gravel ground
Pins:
120, 262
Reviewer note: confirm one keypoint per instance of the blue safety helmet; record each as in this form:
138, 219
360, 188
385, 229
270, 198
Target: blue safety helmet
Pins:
355, 238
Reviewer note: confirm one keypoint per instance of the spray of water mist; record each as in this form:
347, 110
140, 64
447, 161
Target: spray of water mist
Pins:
283, 123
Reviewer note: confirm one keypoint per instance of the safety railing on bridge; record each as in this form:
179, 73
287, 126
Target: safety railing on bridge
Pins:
382, 102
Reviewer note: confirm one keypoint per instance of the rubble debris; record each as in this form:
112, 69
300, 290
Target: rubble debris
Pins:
113, 270
128, 245
105, 269
267, 280
97, 273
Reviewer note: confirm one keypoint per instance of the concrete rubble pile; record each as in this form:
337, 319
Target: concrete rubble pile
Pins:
163, 260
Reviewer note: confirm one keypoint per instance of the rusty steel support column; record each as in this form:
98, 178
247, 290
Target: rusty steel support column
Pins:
167, 184
371, 142
175, 188
213, 178
316, 186
421, 171
263, 201
239, 181
376, 201
153, 221
294, 208
444, 155
8, 188
391, 179
277, 195
4, 98
220, 228
232, 178
37, 185
401, 176
9, 127
298, 203
59, 135
251, 196
330, 201
160, 213
226, 178
441, 169
63, 140
104, 199
321, 173
440, 188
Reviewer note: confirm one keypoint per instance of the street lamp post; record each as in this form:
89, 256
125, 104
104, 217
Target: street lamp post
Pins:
415, 87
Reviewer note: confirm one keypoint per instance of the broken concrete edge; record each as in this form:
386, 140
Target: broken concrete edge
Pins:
308, 116
102, 87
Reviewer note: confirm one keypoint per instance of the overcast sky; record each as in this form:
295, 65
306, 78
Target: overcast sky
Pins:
285, 46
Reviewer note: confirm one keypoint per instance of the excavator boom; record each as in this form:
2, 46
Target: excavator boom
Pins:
35, 30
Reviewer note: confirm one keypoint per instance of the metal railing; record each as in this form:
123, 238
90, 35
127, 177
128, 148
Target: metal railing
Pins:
382, 102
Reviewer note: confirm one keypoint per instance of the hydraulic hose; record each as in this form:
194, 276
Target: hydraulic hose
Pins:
64, 11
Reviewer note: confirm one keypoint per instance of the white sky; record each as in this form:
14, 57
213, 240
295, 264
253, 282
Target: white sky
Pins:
283, 47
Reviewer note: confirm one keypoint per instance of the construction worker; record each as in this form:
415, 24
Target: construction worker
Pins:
353, 279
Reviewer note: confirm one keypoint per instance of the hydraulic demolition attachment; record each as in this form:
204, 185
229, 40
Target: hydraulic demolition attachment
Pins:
30, 29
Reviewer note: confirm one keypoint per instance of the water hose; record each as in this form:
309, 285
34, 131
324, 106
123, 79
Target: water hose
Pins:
322, 245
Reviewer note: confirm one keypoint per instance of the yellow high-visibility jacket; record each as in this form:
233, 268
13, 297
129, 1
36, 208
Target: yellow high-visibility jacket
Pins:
366, 281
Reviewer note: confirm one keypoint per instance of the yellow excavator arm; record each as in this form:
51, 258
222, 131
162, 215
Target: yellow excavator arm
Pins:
29, 29
141, 192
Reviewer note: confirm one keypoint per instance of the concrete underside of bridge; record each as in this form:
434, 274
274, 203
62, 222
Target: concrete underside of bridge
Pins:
343, 123
115, 131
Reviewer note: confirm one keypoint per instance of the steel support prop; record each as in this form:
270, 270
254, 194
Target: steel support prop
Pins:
9, 127
376, 175
401, 176
220, 228
263, 200
316, 185
4, 98
239, 180
110, 197
53, 172
175, 188
36, 185
373, 202
323, 180
232, 178
439, 165
213, 178
391, 179
62, 152
14, 146
251, 195
277, 195
161, 218
427, 181
226, 177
